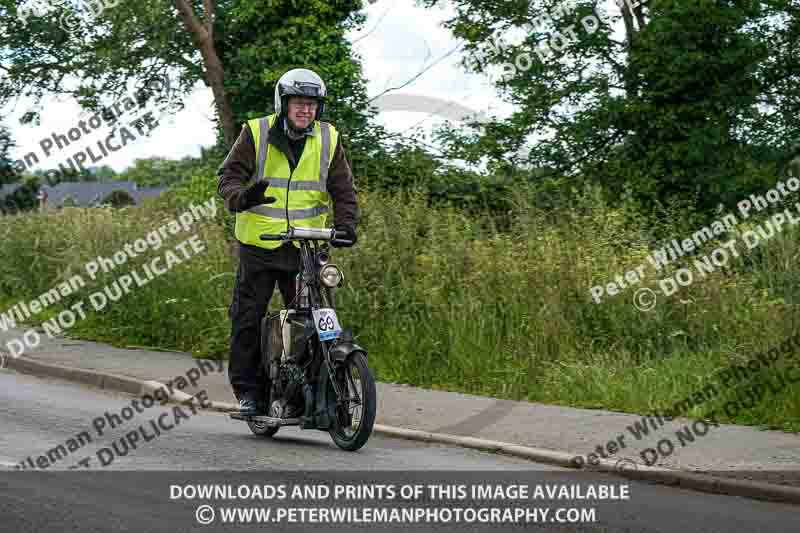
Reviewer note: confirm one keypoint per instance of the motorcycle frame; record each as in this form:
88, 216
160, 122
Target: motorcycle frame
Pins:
320, 413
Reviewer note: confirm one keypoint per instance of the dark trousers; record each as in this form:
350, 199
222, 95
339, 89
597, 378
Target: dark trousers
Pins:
258, 273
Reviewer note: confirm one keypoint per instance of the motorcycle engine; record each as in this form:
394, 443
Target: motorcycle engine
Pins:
292, 379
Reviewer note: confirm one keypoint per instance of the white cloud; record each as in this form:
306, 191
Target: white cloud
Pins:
176, 137
398, 41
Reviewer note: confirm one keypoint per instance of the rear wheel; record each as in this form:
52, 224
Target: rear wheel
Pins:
355, 415
260, 428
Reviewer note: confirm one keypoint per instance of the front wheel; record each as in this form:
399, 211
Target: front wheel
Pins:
355, 415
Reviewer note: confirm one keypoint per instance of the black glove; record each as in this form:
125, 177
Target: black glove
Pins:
347, 233
254, 195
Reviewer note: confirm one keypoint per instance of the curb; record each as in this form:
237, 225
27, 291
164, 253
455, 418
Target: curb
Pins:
756, 490
665, 476
101, 380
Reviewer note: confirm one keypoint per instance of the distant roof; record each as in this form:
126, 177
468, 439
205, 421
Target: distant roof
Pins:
9, 188
85, 193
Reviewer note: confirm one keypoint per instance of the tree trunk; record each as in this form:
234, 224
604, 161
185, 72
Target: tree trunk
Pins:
634, 19
215, 74
203, 37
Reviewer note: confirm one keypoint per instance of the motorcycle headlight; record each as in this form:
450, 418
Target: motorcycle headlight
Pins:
331, 276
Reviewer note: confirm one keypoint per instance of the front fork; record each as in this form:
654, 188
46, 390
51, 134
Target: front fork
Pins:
327, 373
334, 355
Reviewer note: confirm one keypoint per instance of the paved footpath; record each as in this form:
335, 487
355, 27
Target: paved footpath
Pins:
726, 451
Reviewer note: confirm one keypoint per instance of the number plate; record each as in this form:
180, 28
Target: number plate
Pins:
327, 324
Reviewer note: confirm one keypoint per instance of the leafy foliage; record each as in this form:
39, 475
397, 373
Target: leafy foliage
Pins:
7, 172
698, 102
141, 44
68, 201
260, 45
119, 198
24, 198
441, 300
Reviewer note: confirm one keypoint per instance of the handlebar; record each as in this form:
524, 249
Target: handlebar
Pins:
307, 234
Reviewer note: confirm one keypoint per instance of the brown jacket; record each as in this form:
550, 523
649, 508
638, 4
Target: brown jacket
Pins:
239, 166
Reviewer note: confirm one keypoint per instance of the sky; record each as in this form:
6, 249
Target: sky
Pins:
397, 41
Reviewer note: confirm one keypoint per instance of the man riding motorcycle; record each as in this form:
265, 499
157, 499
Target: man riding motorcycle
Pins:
298, 164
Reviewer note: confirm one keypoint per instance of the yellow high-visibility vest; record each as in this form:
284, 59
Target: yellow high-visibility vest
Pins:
305, 189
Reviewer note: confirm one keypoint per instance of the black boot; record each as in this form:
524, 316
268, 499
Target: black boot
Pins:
248, 407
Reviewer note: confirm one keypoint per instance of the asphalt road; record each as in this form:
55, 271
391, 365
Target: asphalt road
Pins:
135, 490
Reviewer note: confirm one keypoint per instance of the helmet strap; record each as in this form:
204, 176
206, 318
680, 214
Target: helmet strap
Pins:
295, 133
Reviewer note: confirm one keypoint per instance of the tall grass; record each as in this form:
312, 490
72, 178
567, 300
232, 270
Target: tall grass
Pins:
184, 309
445, 300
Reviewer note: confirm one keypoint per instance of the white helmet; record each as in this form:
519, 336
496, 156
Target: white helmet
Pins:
300, 82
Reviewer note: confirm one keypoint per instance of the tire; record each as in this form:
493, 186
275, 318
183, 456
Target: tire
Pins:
345, 436
262, 429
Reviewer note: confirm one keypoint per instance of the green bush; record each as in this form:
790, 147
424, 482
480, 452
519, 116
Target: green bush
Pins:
119, 198
442, 299
68, 201
23, 199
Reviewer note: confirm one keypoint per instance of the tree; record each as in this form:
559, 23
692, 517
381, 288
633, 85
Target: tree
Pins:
104, 173
152, 172
7, 172
236, 47
24, 198
63, 174
262, 44
119, 198
700, 98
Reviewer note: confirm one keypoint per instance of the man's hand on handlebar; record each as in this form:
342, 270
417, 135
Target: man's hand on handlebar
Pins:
340, 237
345, 237
254, 195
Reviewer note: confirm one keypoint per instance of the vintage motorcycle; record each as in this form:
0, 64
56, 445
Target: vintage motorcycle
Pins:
310, 363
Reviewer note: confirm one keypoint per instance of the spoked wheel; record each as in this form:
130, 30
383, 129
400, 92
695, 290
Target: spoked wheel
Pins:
355, 416
263, 430
260, 428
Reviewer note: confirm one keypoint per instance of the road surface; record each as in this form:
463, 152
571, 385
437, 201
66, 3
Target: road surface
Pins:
127, 489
